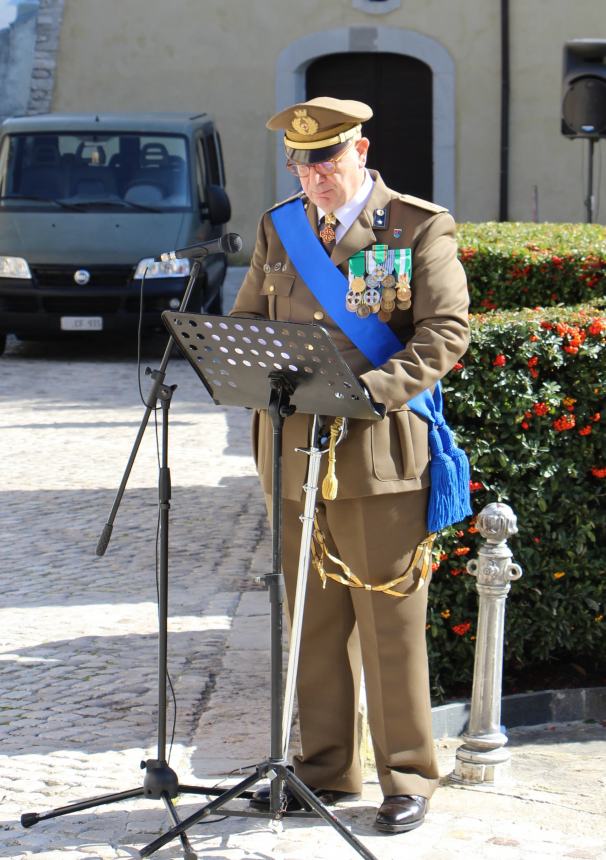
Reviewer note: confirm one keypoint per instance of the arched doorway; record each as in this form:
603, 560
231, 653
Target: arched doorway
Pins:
399, 90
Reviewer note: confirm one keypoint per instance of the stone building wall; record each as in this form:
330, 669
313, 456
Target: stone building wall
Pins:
28, 58
48, 30
16, 60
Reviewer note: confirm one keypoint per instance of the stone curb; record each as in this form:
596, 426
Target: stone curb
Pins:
527, 709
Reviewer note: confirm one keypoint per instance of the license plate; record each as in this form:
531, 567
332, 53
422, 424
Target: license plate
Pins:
81, 323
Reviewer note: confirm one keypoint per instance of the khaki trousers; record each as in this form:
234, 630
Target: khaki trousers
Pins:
345, 628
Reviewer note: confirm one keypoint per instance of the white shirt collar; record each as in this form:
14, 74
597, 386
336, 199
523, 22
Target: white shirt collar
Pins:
349, 212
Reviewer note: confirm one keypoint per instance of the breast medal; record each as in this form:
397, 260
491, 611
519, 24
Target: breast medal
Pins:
379, 282
353, 300
371, 297
327, 233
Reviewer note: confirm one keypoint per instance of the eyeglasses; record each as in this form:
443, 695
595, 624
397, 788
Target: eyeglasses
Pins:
324, 168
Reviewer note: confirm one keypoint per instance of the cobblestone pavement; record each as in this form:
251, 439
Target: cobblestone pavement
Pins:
78, 634
78, 639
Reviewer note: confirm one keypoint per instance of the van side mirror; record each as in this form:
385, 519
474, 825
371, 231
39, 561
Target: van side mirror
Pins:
217, 206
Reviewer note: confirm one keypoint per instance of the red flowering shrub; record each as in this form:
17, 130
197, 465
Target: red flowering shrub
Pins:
461, 629
535, 438
566, 422
513, 265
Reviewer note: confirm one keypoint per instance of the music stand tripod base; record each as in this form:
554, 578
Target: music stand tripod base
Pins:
281, 367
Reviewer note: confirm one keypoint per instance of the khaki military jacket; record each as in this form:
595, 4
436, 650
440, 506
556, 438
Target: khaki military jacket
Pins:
391, 455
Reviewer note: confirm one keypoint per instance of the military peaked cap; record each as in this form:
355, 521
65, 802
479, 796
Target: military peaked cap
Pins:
318, 129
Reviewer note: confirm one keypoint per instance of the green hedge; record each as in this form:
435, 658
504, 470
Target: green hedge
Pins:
527, 402
512, 265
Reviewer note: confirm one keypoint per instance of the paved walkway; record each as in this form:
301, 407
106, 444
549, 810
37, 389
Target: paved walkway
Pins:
78, 661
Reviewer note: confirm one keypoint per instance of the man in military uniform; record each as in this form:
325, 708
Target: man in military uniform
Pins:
398, 256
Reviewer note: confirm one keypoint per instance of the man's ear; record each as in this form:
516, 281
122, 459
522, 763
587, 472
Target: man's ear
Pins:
362, 149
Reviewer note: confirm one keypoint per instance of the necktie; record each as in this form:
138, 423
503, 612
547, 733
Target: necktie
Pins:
328, 236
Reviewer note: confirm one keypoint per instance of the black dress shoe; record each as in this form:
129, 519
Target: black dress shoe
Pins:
401, 812
261, 800
327, 796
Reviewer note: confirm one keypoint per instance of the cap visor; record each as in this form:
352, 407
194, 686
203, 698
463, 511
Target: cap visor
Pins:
313, 156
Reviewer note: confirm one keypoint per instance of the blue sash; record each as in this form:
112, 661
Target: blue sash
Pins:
449, 500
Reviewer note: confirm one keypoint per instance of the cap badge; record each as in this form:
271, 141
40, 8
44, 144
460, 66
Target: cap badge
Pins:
303, 123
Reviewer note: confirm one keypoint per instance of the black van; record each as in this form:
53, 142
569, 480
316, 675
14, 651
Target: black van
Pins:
87, 202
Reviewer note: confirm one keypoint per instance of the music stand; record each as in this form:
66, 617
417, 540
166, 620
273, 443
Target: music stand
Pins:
281, 367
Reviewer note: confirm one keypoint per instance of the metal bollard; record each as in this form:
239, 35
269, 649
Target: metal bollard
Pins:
482, 759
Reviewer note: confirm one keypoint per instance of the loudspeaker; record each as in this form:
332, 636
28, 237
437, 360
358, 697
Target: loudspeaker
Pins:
584, 88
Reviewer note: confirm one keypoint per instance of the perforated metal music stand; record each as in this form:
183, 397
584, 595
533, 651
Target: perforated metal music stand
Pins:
281, 367
238, 358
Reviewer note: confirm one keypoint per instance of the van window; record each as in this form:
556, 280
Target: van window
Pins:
200, 171
220, 156
213, 158
96, 170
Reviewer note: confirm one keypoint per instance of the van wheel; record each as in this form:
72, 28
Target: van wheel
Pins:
2, 343
216, 306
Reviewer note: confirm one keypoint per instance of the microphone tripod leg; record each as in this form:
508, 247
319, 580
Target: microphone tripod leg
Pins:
188, 851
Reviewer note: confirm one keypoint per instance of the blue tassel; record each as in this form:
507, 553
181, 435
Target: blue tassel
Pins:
449, 498
443, 497
461, 464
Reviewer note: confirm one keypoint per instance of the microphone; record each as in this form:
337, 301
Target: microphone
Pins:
228, 244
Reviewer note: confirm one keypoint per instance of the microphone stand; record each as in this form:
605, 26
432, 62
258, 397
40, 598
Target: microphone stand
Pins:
160, 781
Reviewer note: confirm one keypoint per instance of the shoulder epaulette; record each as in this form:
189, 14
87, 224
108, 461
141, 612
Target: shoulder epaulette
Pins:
421, 204
300, 195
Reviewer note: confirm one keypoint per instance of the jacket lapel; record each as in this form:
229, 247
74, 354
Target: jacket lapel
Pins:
312, 216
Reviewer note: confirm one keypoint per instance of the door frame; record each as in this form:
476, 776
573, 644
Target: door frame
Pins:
293, 61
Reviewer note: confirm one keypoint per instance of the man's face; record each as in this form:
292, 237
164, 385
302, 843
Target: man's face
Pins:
330, 192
